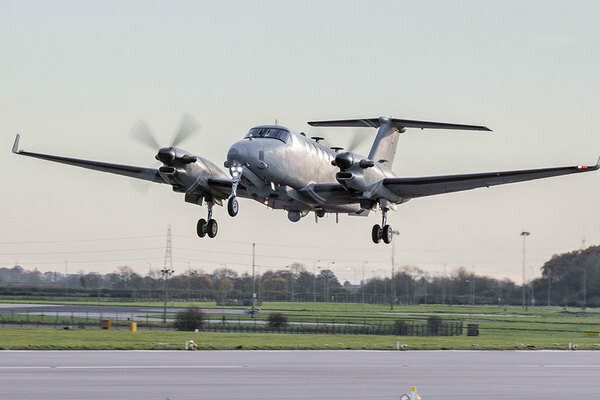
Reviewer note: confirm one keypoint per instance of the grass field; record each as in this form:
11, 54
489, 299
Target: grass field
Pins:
47, 339
500, 328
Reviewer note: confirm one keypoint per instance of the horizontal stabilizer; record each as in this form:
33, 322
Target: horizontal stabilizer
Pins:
397, 123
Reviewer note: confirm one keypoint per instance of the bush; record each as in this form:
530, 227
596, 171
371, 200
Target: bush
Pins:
189, 319
399, 328
277, 320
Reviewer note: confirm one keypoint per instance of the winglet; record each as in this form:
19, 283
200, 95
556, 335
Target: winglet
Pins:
15, 148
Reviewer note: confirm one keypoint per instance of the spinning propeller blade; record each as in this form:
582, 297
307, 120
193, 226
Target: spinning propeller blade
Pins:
143, 134
187, 127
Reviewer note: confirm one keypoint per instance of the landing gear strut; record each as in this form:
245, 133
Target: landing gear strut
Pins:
383, 231
211, 227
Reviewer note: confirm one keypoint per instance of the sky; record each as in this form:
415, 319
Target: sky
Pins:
76, 76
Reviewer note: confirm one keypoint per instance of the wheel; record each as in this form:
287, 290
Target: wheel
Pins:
212, 228
387, 234
201, 227
376, 234
233, 207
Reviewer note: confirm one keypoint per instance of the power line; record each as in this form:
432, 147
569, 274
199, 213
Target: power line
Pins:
77, 251
83, 240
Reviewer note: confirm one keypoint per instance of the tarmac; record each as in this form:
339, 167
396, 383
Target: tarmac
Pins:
218, 375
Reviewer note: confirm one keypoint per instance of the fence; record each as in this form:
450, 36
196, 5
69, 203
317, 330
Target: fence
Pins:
413, 329
82, 320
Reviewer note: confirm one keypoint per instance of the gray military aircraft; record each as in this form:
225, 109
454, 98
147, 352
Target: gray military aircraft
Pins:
287, 170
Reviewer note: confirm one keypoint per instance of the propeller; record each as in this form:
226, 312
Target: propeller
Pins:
359, 136
142, 133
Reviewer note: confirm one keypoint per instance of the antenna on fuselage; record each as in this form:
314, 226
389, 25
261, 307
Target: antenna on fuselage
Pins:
276, 121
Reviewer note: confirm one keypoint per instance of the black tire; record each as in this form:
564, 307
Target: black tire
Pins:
376, 234
212, 228
233, 207
387, 234
201, 227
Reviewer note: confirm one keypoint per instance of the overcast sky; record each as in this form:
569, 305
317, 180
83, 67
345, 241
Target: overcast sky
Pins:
75, 76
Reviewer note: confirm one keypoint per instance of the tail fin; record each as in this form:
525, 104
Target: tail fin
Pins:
384, 146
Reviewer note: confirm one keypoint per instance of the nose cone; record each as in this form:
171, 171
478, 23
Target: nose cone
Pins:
238, 152
166, 155
344, 160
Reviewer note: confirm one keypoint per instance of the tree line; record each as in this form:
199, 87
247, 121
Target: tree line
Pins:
570, 279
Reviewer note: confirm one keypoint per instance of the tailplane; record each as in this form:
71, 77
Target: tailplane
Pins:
386, 142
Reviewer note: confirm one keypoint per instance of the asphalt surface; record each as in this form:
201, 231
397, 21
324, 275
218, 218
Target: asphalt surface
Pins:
298, 374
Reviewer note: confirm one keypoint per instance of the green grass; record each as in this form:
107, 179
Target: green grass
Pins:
46, 339
500, 328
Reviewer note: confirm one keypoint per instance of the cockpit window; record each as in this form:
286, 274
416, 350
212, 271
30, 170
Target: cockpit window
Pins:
274, 133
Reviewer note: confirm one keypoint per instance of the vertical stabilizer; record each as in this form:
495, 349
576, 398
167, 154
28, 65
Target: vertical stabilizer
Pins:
386, 142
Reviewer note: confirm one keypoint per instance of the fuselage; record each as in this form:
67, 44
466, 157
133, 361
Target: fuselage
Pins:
286, 159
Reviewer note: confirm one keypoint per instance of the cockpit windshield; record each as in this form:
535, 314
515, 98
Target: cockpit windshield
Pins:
274, 133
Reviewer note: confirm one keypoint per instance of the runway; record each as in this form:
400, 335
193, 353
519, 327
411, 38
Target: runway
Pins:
298, 374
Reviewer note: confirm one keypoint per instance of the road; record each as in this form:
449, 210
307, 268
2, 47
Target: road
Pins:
228, 375
101, 311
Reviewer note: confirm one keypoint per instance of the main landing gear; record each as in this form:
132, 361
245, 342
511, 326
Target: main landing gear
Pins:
383, 231
211, 227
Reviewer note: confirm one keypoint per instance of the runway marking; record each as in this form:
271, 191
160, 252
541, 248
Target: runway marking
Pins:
130, 367
571, 366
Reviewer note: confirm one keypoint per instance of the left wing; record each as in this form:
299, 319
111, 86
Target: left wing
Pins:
432, 185
148, 174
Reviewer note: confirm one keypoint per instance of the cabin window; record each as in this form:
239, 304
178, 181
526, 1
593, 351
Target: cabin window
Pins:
271, 133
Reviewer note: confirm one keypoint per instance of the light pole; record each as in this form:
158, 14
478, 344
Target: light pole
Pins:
524, 234
315, 281
362, 283
189, 270
166, 272
149, 280
393, 283
327, 281
471, 306
584, 286
253, 282
292, 273
444, 286
66, 278
549, 284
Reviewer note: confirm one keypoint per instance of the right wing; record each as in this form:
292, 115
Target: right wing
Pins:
432, 185
148, 174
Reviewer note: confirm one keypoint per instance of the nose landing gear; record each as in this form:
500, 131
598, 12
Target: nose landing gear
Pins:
232, 204
233, 207
211, 227
383, 231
